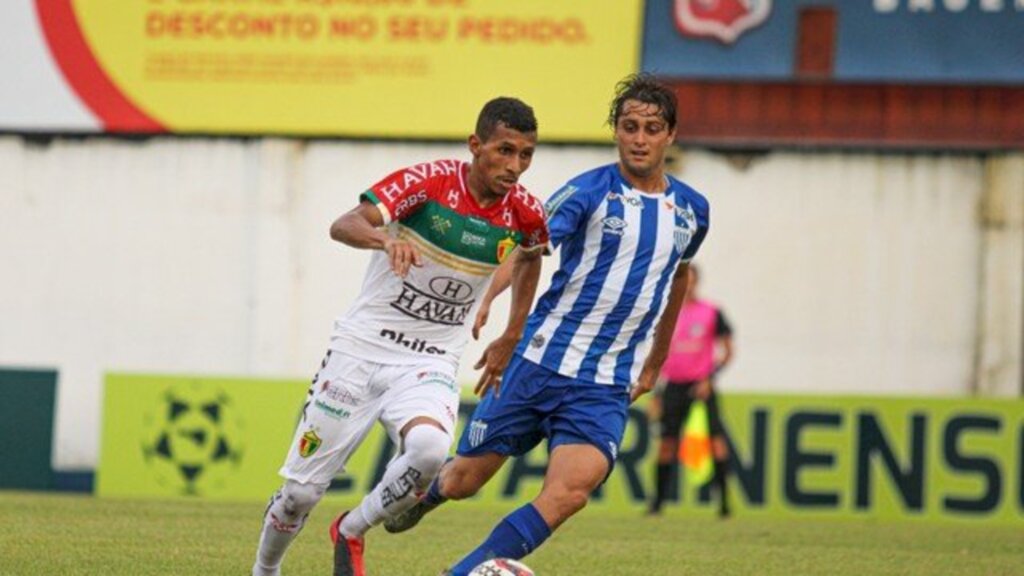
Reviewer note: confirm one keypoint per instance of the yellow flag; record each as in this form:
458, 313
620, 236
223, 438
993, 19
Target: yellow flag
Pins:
695, 449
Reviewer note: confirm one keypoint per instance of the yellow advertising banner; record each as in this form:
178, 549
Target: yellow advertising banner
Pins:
218, 438
861, 457
360, 68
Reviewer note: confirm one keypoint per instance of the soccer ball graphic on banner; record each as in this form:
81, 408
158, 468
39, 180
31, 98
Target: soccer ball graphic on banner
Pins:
501, 567
192, 439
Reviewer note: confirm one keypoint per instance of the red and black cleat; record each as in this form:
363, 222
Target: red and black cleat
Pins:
348, 552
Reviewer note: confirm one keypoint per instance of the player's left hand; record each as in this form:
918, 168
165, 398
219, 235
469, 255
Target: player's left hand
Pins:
648, 378
481, 318
493, 362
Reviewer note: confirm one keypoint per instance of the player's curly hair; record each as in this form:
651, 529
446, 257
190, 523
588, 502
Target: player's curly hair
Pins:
512, 112
646, 89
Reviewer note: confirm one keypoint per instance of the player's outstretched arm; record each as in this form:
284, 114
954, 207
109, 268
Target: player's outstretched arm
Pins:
500, 282
524, 276
361, 227
662, 335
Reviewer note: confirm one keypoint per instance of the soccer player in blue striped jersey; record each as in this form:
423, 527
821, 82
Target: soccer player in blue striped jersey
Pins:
596, 339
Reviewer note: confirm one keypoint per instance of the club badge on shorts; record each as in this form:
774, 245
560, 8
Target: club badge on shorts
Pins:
309, 443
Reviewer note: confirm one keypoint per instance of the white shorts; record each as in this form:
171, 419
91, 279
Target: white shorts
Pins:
349, 394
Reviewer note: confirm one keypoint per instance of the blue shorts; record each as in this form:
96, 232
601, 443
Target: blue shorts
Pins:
536, 403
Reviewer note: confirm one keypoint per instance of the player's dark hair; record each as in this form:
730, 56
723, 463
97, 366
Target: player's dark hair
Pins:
512, 112
644, 88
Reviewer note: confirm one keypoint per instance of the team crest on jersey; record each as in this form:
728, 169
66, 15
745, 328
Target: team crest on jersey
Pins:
505, 247
686, 227
724, 20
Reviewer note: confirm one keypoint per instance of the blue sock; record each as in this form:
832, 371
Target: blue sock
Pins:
518, 534
433, 496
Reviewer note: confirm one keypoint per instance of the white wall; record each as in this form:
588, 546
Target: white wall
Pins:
845, 273
842, 273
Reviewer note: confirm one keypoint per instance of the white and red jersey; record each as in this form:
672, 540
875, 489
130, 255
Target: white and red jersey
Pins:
401, 321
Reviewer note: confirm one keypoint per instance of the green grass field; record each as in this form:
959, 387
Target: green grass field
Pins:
72, 535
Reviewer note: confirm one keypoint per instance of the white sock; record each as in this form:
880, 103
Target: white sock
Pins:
282, 522
426, 448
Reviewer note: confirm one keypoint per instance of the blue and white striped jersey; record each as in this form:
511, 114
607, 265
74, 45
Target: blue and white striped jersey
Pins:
619, 250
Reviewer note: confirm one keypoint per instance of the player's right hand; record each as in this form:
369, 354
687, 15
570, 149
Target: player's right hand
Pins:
493, 362
481, 318
402, 255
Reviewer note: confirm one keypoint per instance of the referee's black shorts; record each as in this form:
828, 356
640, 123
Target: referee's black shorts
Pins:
676, 401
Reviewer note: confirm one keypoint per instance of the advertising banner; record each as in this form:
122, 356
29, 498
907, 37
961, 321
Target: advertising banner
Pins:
888, 41
225, 439
217, 438
26, 428
354, 68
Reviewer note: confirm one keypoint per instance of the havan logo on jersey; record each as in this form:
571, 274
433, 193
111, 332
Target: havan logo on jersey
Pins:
415, 175
448, 302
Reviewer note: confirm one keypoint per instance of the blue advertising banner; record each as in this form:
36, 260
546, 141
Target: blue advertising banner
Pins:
899, 41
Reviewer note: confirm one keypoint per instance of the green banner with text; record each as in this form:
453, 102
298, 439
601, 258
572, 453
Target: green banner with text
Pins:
222, 438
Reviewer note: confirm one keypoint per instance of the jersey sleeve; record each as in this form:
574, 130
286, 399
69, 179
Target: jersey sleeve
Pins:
702, 211
534, 226
722, 326
402, 192
567, 209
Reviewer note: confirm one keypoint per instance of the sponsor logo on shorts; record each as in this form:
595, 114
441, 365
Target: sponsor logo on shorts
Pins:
309, 444
441, 378
448, 302
416, 345
614, 449
338, 393
335, 412
477, 432
400, 488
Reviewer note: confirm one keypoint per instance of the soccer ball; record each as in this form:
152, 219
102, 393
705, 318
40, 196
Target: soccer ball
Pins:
501, 567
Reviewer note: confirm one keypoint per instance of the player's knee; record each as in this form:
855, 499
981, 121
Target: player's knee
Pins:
296, 499
564, 501
572, 501
427, 449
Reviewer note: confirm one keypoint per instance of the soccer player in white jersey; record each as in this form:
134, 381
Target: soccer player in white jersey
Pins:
438, 230
597, 337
